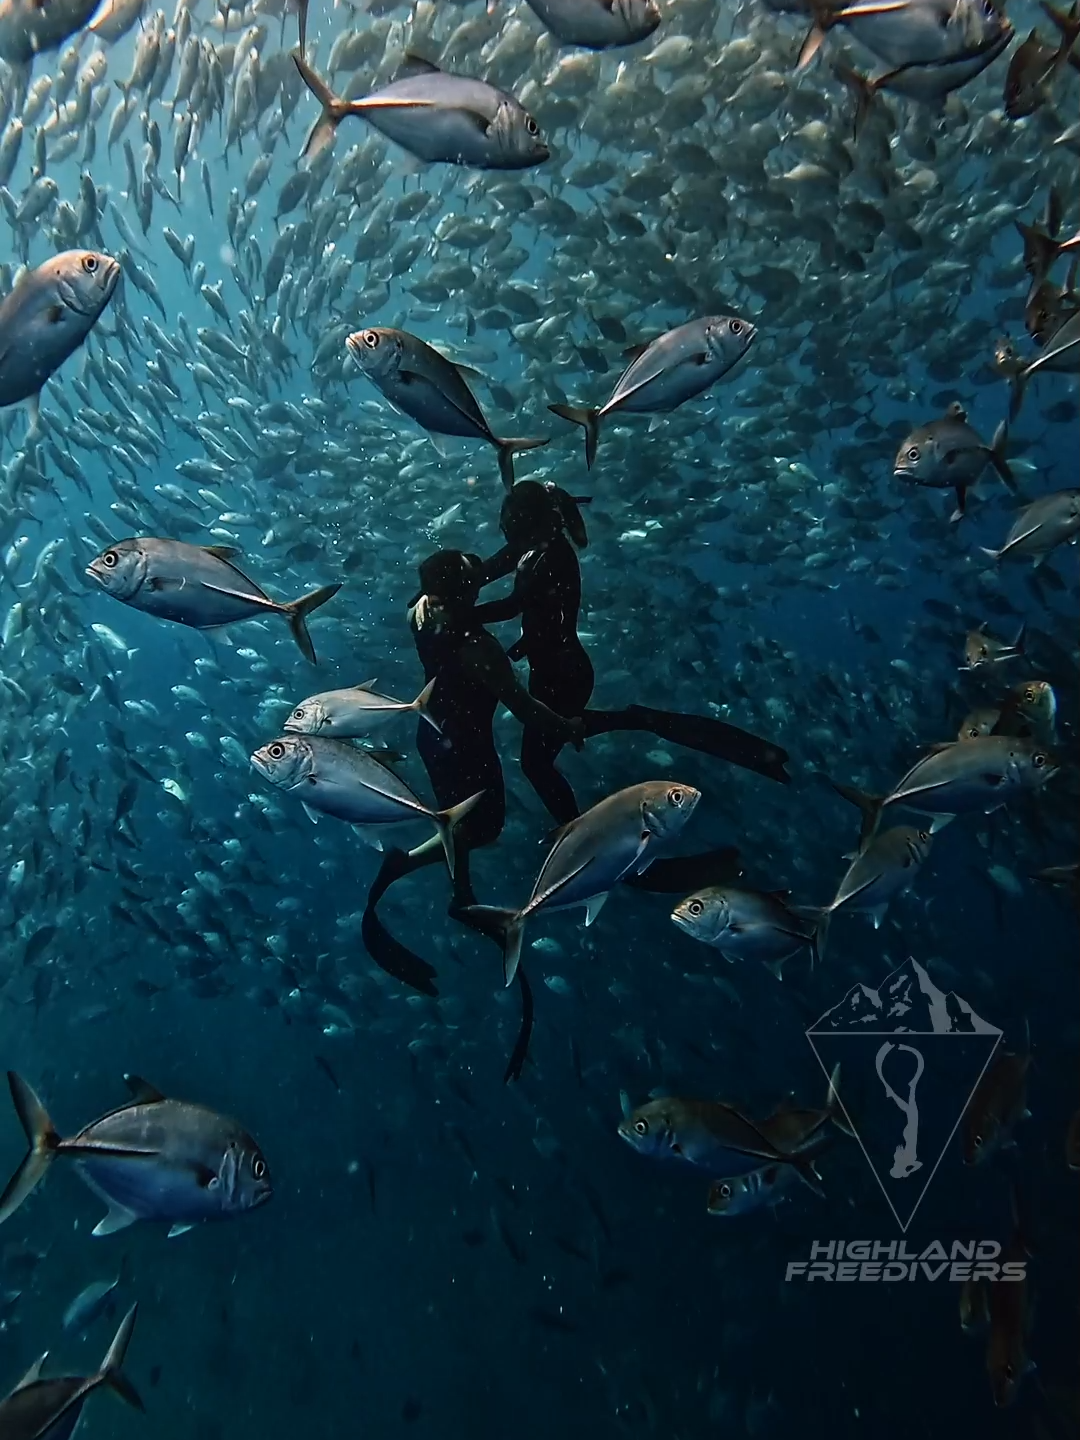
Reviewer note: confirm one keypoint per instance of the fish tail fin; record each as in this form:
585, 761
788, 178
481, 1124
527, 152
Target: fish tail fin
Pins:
334, 109
589, 419
111, 1372
863, 91
421, 704
1067, 23
505, 926
447, 821
297, 611
508, 449
820, 937
815, 38
870, 805
44, 1143
997, 455
833, 1106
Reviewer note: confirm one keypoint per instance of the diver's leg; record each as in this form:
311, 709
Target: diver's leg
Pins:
563, 682
538, 755
695, 732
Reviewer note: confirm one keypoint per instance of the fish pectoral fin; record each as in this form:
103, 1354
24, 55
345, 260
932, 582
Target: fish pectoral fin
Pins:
222, 552
938, 822
180, 1228
160, 583
878, 915
262, 601
311, 813
594, 906
369, 835
142, 1091
117, 1219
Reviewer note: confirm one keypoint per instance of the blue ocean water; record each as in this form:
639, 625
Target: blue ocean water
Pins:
445, 1253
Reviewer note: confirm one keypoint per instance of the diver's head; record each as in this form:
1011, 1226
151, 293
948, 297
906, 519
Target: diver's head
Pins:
532, 514
452, 578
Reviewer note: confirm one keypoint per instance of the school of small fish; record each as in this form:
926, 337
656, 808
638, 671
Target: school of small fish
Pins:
281, 281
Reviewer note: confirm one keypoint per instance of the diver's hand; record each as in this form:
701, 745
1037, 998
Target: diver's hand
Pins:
426, 611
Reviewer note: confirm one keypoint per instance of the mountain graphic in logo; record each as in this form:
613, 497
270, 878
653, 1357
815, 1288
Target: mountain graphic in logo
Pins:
913, 1054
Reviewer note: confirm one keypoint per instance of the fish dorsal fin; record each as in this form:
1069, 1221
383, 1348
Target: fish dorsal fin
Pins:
413, 65
367, 684
554, 836
635, 352
956, 411
222, 552
33, 1375
142, 1091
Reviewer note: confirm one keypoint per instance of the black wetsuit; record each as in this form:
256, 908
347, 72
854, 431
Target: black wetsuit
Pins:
547, 596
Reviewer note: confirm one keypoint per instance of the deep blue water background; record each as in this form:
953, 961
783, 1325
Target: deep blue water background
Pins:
445, 1255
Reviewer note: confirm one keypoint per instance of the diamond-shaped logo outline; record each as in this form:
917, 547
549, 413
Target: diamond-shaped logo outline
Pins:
856, 1034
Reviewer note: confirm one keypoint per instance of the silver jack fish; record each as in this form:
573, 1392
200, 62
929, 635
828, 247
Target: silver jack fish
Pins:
47, 316
663, 374
598, 24
50, 1409
436, 117
1040, 527
197, 586
353, 713
948, 454
962, 777
332, 777
152, 1159
619, 836
745, 924
885, 867
430, 389
27, 26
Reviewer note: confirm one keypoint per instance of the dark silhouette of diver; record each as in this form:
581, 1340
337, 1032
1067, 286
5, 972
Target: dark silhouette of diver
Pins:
539, 522
473, 677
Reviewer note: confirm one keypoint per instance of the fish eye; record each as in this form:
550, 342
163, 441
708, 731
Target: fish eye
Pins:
988, 8
276, 751
973, 733
89, 263
724, 1191
1038, 760
1029, 696
695, 907
641, 1127
913, 452
299, 713
924, 835
110, 559
977, 1141
531, 125
736, 327
675, 797
370, 339
258, 1167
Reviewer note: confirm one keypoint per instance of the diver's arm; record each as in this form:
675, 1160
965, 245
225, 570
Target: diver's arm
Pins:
492, 611
483, 657
503, 562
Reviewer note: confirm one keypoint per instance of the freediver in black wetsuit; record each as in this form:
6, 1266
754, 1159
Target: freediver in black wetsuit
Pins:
473, 675
539, 522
